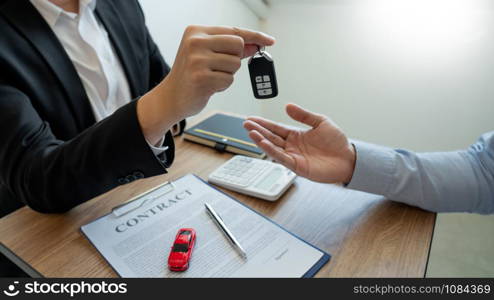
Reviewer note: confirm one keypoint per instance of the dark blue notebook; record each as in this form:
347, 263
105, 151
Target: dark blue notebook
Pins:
224, 133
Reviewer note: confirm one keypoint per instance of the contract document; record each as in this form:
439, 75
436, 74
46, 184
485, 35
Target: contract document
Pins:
135, 239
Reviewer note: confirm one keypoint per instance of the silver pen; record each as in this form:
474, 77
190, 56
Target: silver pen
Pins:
217, 219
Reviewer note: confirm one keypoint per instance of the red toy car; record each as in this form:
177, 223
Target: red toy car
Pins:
181, 252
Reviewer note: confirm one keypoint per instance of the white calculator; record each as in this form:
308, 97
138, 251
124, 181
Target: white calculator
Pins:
253, 177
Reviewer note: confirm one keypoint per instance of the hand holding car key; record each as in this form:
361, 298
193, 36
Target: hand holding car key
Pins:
263, 75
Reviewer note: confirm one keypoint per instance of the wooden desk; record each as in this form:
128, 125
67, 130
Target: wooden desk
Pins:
366, 235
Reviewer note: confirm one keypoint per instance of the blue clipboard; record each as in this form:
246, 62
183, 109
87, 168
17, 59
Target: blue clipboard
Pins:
310, 273
315, 268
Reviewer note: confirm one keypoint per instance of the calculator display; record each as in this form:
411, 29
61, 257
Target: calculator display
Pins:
270, 179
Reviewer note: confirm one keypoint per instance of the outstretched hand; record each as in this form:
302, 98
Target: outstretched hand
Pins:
207, 60
321, 153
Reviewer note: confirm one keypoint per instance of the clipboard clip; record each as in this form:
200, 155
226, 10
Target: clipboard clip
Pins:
137, 202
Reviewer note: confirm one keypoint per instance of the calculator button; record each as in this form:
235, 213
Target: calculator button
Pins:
259, 79
266, 78
241, 183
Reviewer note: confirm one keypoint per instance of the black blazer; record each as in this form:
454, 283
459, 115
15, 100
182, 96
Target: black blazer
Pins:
52, 154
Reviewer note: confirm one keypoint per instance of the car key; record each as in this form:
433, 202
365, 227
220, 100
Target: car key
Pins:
263, 75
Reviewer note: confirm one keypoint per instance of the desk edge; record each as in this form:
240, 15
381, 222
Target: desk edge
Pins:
19, 262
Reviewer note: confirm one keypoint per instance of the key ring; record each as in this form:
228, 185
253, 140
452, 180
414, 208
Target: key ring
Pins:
261, 50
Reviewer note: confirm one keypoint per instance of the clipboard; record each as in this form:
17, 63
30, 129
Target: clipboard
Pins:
147, 199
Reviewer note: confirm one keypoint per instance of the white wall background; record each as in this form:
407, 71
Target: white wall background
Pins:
408, 73
167, 21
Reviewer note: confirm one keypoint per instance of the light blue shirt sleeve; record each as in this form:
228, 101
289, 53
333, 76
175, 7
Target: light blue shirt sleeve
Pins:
461, 181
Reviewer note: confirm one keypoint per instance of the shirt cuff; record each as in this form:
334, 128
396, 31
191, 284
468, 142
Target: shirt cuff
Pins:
374, 169
158, 149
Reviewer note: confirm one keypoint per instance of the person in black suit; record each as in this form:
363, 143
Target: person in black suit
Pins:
54, 154
60, 143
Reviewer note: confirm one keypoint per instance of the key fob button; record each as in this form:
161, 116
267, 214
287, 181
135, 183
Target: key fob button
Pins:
266, 92
263, 75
